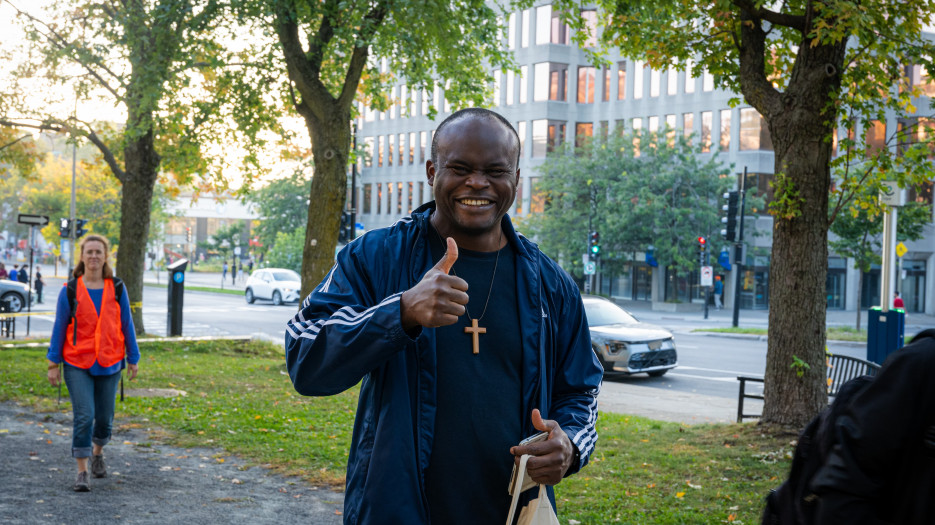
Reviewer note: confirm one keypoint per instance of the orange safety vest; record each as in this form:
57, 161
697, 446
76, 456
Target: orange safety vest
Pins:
99, 337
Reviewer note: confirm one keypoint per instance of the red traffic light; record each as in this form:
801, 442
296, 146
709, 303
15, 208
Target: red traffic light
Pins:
702, 241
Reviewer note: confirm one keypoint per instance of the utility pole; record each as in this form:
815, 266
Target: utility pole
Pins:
353, 225
738, 249
72, 233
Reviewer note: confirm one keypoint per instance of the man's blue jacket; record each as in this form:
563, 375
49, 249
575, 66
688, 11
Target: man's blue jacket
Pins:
349, 330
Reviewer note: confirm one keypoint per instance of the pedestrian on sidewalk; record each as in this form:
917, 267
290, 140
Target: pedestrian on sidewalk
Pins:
718, 292
3, 272
13, 272
224, 272
93, 336
234, 272
23, 274
898, 301
39, 284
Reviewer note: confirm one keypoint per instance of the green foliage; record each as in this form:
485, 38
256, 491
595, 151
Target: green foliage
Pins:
665, 197
286, 251
282, 206
238, 397
224, 240
799, 366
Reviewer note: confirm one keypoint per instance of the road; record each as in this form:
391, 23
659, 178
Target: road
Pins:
702, 389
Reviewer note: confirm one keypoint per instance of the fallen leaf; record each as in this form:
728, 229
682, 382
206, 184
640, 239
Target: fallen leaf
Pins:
4, 431
731, 517
679, 494
236, 481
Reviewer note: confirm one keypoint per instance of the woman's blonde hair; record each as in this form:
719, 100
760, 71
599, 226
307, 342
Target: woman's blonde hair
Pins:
108, 273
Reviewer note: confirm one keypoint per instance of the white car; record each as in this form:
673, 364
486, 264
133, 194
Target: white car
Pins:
14, 294
625, 345
275, 284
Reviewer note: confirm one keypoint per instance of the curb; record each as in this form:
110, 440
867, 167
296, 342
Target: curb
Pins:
159, 339
756, 337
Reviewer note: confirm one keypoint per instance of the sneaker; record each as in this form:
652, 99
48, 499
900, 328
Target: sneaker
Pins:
82, 484
98, 470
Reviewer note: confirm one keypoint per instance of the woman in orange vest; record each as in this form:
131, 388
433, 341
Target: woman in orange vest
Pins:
92, 343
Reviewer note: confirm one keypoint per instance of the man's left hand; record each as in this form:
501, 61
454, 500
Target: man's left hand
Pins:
550, 459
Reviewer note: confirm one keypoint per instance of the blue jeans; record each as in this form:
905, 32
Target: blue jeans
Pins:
92, 401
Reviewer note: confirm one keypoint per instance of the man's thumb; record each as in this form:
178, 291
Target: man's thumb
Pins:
538, 423
448, 260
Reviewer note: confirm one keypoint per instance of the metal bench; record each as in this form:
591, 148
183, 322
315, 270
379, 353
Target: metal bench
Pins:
7, 323
840, 369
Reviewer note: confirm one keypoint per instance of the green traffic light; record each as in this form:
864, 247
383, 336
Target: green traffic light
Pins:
595, 249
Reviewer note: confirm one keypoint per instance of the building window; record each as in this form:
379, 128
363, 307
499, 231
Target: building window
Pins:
672, 81
620, 127
379, 198
366, 197
636, 124
605, 129
543, 24
725, 130
919, 77
653, 124
496, 87
511, 32
688, 125
422, 137
425, 102
523, 84
689, 79
637, 80
390, 149
368, 152
605, 85
402, 147
524, 39
546, 136
559, 30
403, 101
707, 82
551, 82
590, 25
583, 132
521, 131
510, 86
411, 187
754, 135
654, 82
706, 118
670, 130
585, 85
621, 80
389, 197
876, 137
421, 193
412, 102
380, 142
412, 147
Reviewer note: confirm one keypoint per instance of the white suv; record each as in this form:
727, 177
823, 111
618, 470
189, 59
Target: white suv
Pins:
276, 284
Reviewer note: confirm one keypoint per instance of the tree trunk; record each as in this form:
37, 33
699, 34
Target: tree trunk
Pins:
798, 266
141, 162
331, 142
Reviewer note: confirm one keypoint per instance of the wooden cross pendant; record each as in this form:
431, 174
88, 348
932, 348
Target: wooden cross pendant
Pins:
475, 331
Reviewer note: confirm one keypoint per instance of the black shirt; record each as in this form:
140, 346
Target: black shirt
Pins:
479, 396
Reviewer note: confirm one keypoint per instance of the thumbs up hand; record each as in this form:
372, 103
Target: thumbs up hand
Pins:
438, 299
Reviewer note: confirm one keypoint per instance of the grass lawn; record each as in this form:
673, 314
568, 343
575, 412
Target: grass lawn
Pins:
239, 398
834, 333
190, 288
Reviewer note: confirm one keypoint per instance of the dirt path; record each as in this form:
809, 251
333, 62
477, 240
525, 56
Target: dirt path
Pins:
147, 483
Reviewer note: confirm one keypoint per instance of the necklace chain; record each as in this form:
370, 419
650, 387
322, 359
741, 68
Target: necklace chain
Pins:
492, 277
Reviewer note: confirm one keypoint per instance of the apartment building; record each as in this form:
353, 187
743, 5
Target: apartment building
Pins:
558, 95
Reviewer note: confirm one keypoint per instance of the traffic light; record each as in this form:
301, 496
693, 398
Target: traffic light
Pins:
729, 220
702, 250
595, 249
80, 230
344, 229
188, 234
64, 228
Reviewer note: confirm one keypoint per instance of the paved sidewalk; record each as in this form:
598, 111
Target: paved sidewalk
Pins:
147, 483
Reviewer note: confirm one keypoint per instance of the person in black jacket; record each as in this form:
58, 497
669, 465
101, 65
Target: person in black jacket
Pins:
882, 469
23, 274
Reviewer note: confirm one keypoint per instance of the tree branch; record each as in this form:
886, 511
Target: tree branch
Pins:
306, 79
9, 144
368, 29
755, 86
797, 22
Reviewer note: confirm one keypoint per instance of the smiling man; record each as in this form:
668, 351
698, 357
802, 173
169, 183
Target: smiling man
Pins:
465, 339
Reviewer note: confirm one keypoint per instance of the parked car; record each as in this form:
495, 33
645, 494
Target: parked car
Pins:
625, 345
275, 284
14, 294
